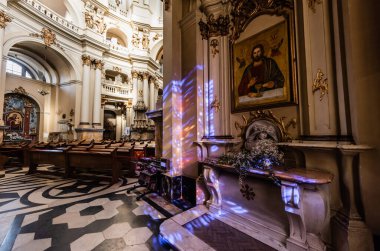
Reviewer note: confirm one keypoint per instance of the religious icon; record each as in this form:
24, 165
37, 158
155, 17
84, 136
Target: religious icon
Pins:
14, 121
262, 69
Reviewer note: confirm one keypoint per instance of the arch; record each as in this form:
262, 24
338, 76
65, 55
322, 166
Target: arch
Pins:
75, 12
156, 49
75, 68
119, 34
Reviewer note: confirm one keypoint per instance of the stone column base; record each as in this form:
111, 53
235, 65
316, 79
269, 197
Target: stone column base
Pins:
89, 133
351, 234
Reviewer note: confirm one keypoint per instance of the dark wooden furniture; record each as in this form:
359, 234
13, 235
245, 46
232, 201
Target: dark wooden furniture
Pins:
15, 150
93, 159
47, 155
150, 175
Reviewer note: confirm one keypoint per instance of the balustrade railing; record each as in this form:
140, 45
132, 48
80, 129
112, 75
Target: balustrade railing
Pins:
51, 15
109, 88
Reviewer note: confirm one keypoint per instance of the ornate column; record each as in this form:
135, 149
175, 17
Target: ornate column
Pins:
156, 87
349, 228
135, 76
140, 95
152, 81
98, 64
215, 31
4, 20
146, 76
85, 107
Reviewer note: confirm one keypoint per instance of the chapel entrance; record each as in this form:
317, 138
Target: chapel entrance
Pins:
109, 125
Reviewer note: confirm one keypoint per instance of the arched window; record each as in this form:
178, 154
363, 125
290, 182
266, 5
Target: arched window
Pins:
18, 69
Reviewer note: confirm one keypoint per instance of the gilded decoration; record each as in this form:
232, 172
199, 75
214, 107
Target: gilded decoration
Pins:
135, 74
94, 20
48, 36
43, 92
4, 19
243, 12
135, 40
320, 83
215, 26
146, 75
20, 90
267, 115
98, 64
145, 41
118, 69
86, 60
215, 104
214, 47
313, 3
89, 19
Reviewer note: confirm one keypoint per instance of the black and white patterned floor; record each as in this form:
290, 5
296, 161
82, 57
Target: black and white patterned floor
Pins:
46, 212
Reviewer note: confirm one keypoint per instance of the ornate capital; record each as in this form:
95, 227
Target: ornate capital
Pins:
152, 79
86, 60
98, 64
312, 4
4, 19
244, 11
146, 75
135, 74
215, 26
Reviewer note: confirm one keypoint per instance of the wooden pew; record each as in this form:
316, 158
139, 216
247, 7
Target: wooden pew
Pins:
93, 158
14, 150
47, 154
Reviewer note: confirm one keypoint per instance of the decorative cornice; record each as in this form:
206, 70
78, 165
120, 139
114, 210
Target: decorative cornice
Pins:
86, 60
4, 19
243, 12
215, 26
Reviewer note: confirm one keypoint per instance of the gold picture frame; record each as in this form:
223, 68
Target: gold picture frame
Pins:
264, 68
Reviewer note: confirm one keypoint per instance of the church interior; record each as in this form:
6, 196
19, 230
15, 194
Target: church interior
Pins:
256, 131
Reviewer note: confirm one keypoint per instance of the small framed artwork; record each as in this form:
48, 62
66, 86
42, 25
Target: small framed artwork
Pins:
263, 69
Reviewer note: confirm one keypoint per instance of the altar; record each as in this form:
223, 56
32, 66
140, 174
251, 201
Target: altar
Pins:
292, 213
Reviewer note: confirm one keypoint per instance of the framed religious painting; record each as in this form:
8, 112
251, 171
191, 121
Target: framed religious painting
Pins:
263, 67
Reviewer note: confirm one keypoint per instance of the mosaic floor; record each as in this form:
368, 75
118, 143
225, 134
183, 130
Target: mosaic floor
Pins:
46, 212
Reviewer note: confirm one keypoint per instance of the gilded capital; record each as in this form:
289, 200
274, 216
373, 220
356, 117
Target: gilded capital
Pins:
135, 74
146, 75
98, 64
4, 19
86, 59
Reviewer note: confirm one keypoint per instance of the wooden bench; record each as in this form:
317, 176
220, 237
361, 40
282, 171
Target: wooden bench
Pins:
47, 155
93, 158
